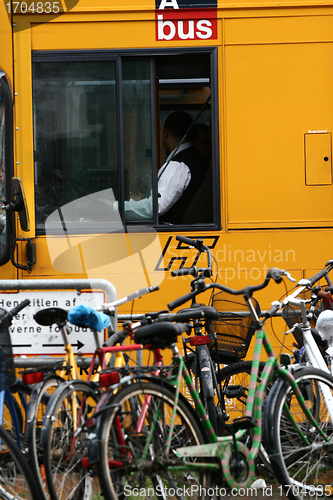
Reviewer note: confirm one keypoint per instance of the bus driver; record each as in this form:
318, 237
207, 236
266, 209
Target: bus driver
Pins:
178, 179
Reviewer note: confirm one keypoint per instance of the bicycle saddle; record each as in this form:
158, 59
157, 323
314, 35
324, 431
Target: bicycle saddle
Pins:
51, 315
160, 335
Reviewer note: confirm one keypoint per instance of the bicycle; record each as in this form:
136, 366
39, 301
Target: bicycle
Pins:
294, 457
229, 339
299, 307
154, 458
217, 340
16, 480
11, 415
63, 438
221, 340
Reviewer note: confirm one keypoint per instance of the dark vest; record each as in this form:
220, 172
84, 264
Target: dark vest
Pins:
198, 168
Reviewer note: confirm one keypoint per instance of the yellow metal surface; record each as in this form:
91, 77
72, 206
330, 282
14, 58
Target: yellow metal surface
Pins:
318, 159
268, 112
88, 6
242, 258
6, 60
258, 29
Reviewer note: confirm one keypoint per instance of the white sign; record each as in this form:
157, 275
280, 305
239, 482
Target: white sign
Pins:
30, 338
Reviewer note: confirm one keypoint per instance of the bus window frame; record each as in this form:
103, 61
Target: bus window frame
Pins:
6, 92
117, 55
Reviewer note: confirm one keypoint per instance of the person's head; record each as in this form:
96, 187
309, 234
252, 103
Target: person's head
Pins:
200, 136
176, 126
141, 186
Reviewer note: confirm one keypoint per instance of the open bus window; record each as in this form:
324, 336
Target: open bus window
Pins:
189, 95
98, 125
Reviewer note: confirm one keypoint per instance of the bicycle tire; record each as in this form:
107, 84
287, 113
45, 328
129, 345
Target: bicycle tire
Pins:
39, 399
206, 380
16, 479
62, 452
209, 402
234, 381
210, 407
122, 444
8, 419
301, 467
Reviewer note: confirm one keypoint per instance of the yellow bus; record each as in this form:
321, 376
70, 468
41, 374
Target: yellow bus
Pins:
85, 89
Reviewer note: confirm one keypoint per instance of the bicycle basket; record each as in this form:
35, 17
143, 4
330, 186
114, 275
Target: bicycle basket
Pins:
7, 370
234, 330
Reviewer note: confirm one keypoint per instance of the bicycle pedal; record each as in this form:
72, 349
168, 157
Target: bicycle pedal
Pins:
262, 470
242, 423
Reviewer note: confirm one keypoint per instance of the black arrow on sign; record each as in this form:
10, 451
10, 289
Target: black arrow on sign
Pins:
78, 345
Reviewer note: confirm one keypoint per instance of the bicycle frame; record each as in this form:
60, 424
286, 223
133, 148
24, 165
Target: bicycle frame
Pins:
70, 360
102, 354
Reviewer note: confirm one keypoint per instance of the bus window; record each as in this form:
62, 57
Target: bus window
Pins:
98, 117
75, 133
137, 135
186, 87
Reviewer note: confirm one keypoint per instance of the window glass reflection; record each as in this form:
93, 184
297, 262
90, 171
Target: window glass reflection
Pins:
75, 133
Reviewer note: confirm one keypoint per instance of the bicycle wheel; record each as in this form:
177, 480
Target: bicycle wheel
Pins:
135, 457
64, 442
209, 397
12, 410
205, 372
39, 399
234, 383
302, 456
16, 479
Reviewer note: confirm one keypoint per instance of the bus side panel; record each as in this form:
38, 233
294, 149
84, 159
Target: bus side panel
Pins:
278, 91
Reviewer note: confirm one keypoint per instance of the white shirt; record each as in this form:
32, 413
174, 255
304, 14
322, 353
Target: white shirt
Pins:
172, 182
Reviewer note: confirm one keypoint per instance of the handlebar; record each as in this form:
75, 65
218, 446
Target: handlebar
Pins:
135, 295
273, 310
182, 300
188, 271
309, 282
193, 271
139, 293
316, 277
6, 319
18, 308
273, 273
116, 338
198, 244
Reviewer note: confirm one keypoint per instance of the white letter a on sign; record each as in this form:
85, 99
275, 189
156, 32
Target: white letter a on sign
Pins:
169, 3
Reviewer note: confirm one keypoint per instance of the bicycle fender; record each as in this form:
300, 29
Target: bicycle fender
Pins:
51, 405
207, 386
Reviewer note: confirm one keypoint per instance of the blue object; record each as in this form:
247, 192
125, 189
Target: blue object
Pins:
86, 316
